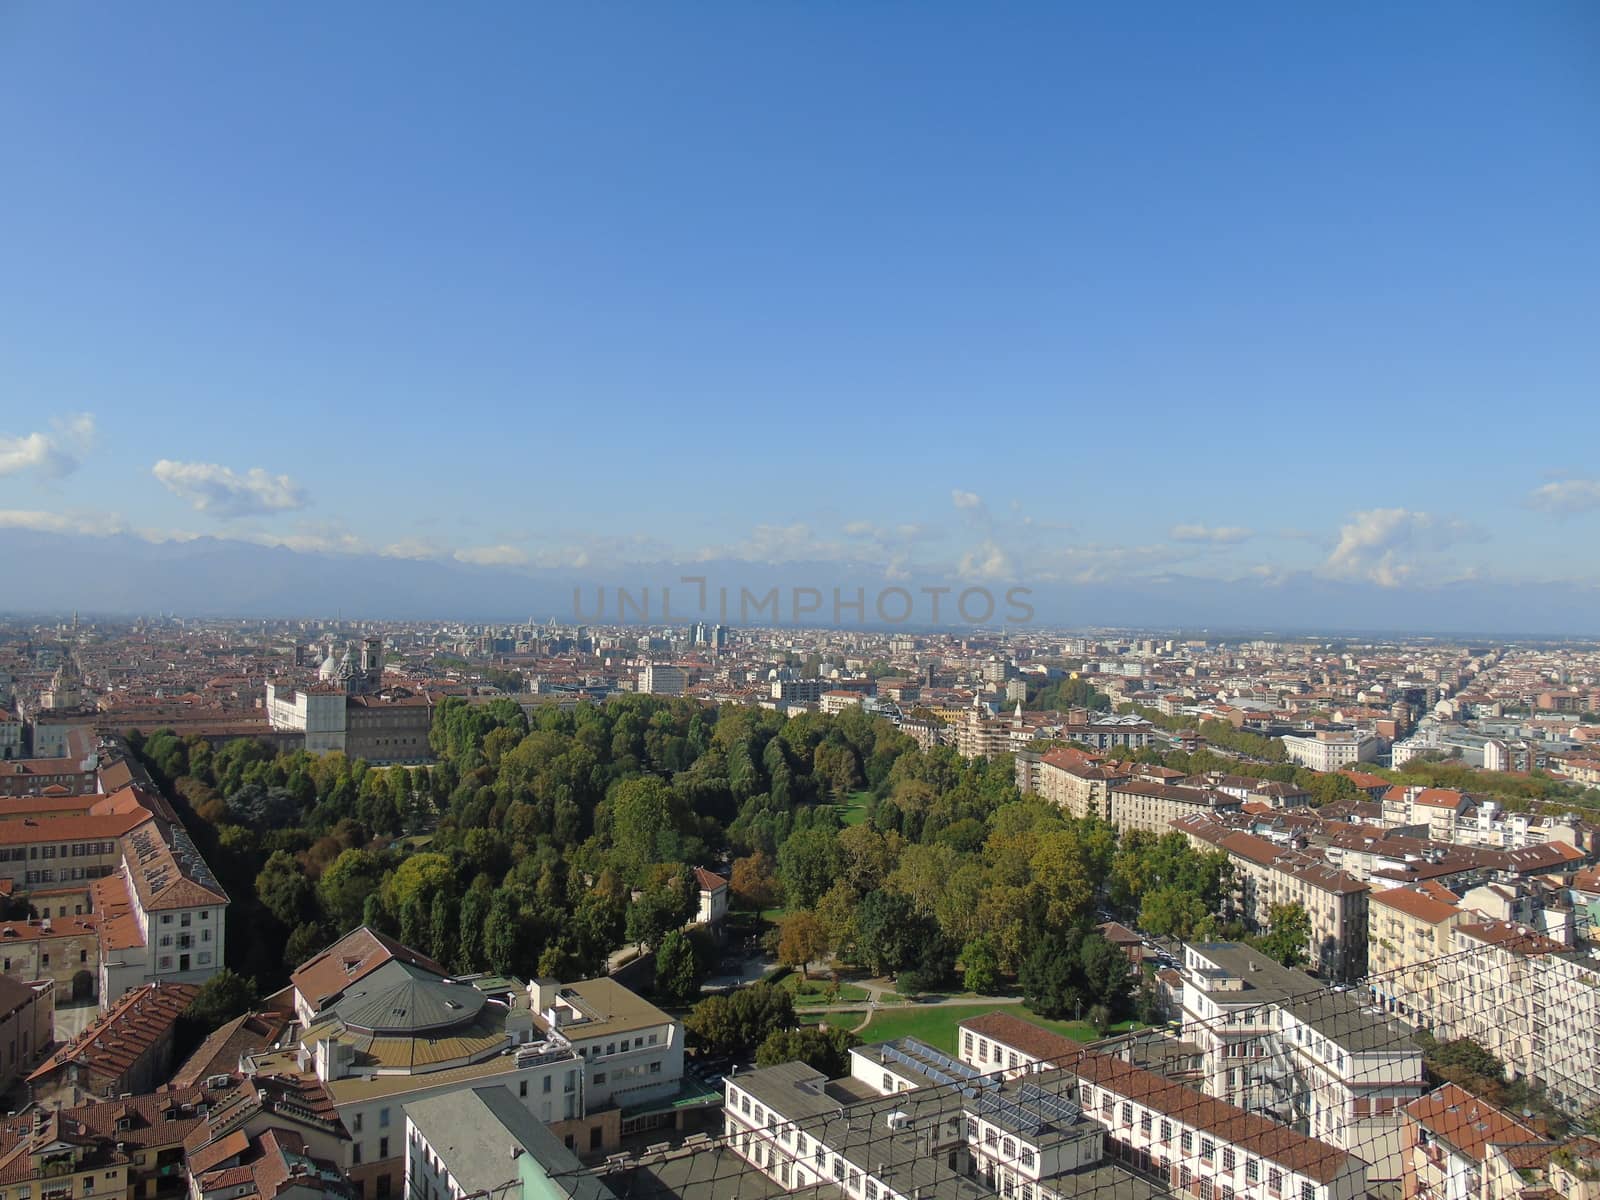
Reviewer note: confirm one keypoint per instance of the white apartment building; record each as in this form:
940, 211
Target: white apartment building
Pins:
1277, 1041
1328, 750
1530, 1001
896, 1129
1199, 1144
661, 679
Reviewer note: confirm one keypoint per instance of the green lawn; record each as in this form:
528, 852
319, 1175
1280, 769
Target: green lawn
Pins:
937, 1026
854, 812
817, 991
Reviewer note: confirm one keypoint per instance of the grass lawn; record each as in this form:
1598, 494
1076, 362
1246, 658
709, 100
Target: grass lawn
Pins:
938, 1026
854, 812
816, 991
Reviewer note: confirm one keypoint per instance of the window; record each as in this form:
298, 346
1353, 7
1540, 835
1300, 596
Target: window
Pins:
383, 1120
1252, 1170
655, 1067
1146, 1122
356, 1128
1275, 1181
355, 1154
600, 1077
548, 1083
383, 1147
522, 1088
1166, 1132
1187, 1142
1207, 1149
1308, 1192
1227, 1158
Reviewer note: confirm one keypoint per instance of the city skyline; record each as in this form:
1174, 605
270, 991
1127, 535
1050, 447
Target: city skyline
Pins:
1281, 317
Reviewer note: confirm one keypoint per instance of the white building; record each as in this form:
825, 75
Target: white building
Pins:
1328, 750
475, 1143
1164, 1128
660, 679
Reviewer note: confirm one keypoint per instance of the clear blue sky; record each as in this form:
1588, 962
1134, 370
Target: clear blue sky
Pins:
1010, 289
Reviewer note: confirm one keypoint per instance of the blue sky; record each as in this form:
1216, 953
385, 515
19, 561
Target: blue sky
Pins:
1007, 291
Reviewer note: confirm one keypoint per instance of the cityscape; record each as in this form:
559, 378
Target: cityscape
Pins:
836, 601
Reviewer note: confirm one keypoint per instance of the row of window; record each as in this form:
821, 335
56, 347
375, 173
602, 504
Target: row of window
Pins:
65, 850
594, 1051
1121, 1114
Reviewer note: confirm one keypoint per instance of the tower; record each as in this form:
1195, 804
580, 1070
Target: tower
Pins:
372, 661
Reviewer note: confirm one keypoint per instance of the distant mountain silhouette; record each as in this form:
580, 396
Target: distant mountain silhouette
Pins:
122, 574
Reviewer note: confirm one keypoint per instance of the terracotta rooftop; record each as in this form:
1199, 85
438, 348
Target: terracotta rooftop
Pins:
1467, 1124
354, 956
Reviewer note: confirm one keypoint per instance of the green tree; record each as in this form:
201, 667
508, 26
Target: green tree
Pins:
222, 998
738, 1023
444, 919
285, 891
825, 1050
888, 932
677, 968
808, 863
500, 934
1289, 934
1171, 911
344, 886
1052, 976
980, 967
929, 969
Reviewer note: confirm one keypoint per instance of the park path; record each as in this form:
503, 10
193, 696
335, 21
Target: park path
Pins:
875, 1004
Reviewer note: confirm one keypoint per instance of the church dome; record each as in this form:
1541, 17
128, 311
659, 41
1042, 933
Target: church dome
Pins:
329, 668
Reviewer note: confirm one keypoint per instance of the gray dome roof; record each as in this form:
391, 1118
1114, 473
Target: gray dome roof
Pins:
405, 1001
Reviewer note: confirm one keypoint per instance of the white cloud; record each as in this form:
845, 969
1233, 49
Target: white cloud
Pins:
412, 548
88, 524
986, 560
1385, 545
221, 492
52, 454
1221, 535
965, 501
493, 556
1566, 496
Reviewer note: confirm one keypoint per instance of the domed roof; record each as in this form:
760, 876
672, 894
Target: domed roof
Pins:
328, 669
400, 1000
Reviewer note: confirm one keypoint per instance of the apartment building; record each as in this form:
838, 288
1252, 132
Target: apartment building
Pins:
1275, 1040
65, 950
1448, 1135
158, 913
1266, 874
909, 1121
1408, 929
1528, 1000
128, 1146
1071, 780
1142, 804
1197, 1143
662, 679
1329, 750
128, 1049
